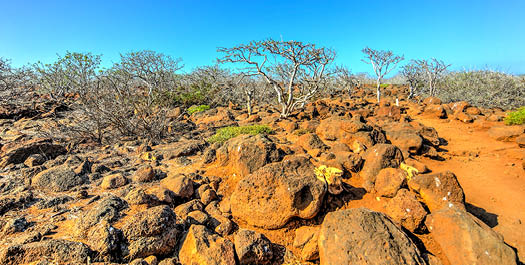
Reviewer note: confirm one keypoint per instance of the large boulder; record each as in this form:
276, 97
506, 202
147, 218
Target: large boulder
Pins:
376, 158
216, 117
203, 247
362, 236
341, 129
389, 181
435, 111
57, 179
18, 152
181, 185
438, 190
247, 153
405, 137
52, 250
151, 232
272, 195
466, 240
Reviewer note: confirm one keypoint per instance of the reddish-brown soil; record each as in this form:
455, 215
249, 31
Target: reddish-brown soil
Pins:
490, 173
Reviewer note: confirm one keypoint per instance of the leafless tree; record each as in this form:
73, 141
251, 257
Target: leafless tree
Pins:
295, 70
413, 76
383, 63
433, 70
70, 73
345, 78
5, 72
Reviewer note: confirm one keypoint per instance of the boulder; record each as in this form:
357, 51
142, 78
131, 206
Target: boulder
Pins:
252, 247
362, 236
306, 238
376, 158
520, 140
311, 141
203, 247
107, 210
57, 179
405, 137
393, 112
106, 240
406, 210
506, 133
432, 101
272, 195
340, 129
464, 117
247, 153
435, 111
389, 181
151, 232
144, 174
438, 190
51, 250
113, 181
459, 106
181, 185
466, 240
213, 118
18, 152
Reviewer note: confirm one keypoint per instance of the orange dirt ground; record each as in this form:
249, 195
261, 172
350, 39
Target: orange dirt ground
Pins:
490, 173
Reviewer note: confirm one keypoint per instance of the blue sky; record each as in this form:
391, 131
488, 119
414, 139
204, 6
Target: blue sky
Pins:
468, 34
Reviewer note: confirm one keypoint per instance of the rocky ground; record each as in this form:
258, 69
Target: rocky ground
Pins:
422, 183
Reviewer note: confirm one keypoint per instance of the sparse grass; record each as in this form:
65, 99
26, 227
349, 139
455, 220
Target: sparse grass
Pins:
226, 133
383, 86
516, 117
200, 108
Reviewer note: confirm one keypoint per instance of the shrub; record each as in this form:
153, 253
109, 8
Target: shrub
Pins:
516, 117
226, 133
484, 88
200, 108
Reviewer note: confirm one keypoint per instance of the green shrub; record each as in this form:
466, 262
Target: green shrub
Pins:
226, 133
516, 117
200, 108
383, 86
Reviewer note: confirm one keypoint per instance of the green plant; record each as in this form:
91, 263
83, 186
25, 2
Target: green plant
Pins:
226, 133
383, 86
516, 117
200, 108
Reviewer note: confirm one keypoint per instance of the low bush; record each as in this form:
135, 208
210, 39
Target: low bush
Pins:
516, 117
484, 88
226, 133
195, 109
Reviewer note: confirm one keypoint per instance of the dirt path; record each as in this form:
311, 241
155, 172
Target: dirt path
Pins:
491, 175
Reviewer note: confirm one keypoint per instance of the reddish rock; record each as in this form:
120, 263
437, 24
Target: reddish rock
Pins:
389, 181
113, 181
306, 238
393, 112
473, 111
376, 158
362, 236
438, 190
432, 101
181, 185
201, 246
435, 111
464, 117
144, 174
247, 153
252, 247
466, 240
272, 195
406, 210
459, 106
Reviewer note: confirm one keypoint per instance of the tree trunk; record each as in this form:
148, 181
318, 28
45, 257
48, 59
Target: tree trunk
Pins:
378, 90
249, 105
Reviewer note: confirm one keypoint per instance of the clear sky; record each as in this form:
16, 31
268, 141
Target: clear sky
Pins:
466, 33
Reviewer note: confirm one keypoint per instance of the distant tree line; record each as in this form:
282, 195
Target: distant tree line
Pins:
136, 93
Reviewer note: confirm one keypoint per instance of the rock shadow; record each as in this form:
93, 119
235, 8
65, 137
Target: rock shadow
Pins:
488, 218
